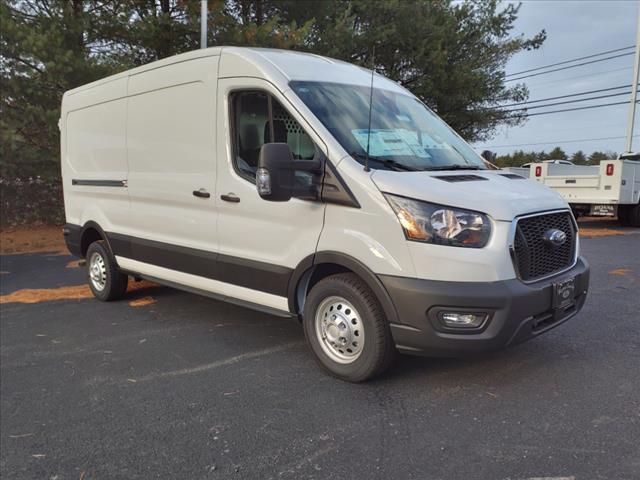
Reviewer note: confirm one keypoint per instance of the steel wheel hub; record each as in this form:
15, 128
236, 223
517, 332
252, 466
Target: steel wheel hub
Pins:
97, 271
339, 329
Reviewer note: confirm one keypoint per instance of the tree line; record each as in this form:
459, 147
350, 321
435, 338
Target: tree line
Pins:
520, 157
449, 54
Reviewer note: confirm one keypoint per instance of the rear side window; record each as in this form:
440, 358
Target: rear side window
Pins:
257, 119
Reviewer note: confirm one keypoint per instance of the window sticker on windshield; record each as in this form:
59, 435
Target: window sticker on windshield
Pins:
388, 143
411, 139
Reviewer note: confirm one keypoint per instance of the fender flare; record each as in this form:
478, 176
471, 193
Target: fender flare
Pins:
91, 224
302, 273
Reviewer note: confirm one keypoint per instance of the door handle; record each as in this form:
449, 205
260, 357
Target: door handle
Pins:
202, 193
230, 197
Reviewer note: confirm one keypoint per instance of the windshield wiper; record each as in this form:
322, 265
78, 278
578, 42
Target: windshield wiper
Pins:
454, 167
387, 162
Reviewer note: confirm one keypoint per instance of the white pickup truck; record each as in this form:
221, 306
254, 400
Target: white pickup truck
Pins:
609, 189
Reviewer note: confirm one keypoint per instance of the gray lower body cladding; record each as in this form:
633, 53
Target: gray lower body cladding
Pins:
516, 312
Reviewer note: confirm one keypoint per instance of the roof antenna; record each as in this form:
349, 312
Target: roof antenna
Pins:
373, 66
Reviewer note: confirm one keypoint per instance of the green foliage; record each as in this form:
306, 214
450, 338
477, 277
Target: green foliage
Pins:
520, 157
50, 46
31, 201
46, 49
596, 156
579, 158
557, 154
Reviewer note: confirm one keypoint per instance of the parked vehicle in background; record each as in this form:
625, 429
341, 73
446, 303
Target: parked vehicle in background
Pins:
608, 189
555, 162
524, 171
236, 173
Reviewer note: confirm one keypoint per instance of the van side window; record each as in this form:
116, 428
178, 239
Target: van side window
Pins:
253, 127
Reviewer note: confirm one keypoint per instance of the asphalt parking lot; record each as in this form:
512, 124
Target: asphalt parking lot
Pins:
171, 385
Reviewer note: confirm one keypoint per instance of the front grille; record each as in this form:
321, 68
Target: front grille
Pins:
536, 258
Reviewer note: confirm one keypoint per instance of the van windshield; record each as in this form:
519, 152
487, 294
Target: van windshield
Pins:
405, 134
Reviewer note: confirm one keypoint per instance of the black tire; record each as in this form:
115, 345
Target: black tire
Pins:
376, 351
634, 216
624, 215
114, 282
576, 213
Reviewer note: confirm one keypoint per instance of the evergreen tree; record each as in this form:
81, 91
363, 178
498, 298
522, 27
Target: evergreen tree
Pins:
47, 48
597, 156
556, 154
579, 158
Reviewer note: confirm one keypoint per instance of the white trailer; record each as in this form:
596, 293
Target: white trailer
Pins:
609, 189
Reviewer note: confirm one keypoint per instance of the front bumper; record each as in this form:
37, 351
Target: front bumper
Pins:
517, 311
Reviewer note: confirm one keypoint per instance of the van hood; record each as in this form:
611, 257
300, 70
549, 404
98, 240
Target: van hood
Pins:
494, 192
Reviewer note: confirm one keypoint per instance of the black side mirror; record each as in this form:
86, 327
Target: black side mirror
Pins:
275, 177
275, 174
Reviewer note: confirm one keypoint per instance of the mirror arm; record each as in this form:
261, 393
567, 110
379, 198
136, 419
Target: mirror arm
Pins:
306, 193
314, 166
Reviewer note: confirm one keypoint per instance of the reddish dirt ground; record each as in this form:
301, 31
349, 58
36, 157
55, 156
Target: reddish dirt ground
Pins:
595, 227
32, 240
78, 292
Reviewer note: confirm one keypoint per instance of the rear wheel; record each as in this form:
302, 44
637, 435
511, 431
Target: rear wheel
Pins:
624, 215
634, 216
346, 328
105, 281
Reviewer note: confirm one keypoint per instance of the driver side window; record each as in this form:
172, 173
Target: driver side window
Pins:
258, 118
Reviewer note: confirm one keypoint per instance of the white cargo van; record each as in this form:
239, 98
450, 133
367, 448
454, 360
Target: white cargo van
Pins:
243, 174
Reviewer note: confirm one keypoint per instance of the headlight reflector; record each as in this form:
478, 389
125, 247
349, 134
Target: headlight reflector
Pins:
439, 224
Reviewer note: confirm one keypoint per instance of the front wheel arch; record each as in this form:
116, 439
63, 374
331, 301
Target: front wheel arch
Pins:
323, 264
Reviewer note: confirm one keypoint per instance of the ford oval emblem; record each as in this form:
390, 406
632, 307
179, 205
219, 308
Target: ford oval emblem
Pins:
555, 237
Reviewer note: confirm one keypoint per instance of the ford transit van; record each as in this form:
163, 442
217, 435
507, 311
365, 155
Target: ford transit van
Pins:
285, 182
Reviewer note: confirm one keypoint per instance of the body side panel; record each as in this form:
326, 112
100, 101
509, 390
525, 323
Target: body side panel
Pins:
93, 140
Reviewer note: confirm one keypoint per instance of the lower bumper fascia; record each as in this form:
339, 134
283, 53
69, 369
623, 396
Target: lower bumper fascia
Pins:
516, 312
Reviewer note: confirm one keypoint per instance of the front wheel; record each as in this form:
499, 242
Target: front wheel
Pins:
346, 328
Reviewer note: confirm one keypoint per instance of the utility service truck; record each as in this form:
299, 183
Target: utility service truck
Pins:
609, 189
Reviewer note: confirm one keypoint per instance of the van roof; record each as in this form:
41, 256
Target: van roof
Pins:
270, 62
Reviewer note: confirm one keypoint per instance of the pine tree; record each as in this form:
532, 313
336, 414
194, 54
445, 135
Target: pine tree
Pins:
556, 154
579, 158
47, 48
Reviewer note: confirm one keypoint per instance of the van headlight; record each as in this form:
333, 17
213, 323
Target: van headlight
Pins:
439, 224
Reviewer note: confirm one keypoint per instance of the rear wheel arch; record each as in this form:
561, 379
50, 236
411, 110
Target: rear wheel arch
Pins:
323, 264
91, 232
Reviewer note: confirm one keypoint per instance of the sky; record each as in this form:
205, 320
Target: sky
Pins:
574, 29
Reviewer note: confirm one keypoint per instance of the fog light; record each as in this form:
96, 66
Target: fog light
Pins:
462, 320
